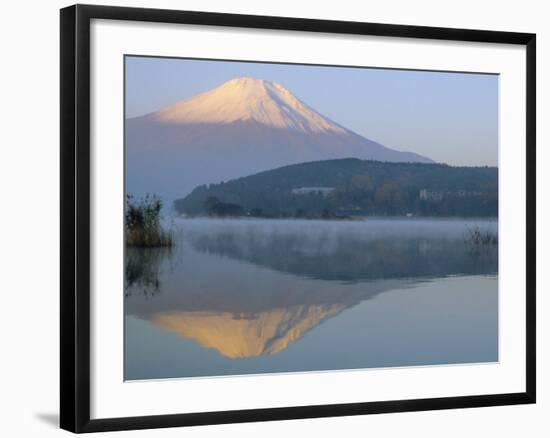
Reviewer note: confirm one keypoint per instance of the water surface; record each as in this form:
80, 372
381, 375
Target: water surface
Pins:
260, 296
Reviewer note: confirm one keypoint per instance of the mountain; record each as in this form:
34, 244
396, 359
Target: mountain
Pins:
243, 126
351, 187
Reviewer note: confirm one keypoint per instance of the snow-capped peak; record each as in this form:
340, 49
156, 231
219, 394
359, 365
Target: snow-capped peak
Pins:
248, 99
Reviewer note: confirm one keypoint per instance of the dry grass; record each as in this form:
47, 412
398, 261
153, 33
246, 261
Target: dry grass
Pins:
142, 223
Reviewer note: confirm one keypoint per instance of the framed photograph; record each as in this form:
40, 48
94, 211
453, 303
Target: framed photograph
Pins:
269, 218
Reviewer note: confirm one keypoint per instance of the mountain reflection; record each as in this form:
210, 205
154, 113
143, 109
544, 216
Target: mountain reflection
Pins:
250, 291
250, 335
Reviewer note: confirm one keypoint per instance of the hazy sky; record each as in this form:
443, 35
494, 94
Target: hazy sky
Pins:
448, 117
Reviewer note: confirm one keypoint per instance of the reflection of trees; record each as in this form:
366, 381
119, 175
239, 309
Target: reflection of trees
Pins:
348, 258
142, 270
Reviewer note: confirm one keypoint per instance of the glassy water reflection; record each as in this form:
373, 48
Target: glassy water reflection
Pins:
255, 296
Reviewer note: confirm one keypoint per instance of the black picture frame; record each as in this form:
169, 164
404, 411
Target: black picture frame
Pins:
75, 217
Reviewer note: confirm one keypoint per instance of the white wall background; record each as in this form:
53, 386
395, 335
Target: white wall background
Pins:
29, 243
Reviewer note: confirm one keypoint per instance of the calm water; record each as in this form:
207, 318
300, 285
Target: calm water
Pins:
258, 296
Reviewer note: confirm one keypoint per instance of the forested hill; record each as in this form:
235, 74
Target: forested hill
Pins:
351, 187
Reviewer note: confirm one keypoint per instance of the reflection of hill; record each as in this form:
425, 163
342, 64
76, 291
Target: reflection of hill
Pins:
347, 258
239, 336
204, 282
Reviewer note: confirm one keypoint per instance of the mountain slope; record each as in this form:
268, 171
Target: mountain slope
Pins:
241, 127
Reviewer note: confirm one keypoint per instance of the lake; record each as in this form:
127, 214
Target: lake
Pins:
239, 296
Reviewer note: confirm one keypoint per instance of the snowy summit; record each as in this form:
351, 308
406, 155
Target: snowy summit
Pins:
249, 99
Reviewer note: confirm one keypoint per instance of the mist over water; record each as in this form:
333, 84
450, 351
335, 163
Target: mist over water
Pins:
352, 250
242, 296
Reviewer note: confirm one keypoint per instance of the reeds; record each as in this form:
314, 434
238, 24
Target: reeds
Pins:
143, 223
476, 237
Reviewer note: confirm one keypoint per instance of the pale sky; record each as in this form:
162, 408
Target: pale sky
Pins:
448, 117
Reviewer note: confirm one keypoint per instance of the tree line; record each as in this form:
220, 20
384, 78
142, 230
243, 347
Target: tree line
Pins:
358, 188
